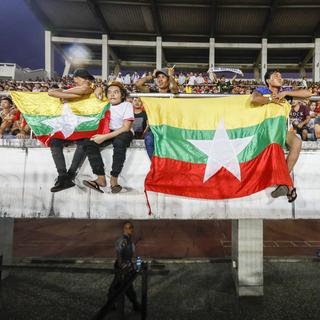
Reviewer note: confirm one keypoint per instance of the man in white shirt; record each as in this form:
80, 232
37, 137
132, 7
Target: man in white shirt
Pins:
192, 79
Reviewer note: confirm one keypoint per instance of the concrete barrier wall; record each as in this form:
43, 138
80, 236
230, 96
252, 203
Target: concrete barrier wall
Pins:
27, 173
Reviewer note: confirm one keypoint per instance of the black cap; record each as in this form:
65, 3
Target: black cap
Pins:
163, 71
83, 73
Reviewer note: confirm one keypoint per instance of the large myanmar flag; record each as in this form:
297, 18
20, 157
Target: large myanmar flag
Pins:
49, 117
216, 148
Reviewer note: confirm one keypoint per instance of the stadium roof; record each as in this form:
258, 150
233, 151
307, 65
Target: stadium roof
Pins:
240, 21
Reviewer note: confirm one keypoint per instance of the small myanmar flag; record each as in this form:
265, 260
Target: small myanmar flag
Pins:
216, 148
49, 117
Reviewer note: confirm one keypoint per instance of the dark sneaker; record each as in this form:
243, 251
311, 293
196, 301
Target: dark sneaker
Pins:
71, 174
62, 183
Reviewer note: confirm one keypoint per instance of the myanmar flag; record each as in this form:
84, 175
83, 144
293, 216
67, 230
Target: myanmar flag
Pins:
216, 148
75, 119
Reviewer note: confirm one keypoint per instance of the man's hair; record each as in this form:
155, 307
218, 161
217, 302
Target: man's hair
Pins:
127, 222
268, 75
118, 84
7, 98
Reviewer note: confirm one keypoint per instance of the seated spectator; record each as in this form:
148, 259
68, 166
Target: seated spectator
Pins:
315, 113
8, 115
299, 118
140, 119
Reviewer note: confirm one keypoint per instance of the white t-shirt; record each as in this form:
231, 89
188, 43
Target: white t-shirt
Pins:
192, 79
119, 113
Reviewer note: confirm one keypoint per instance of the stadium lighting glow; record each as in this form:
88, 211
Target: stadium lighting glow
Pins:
79, 54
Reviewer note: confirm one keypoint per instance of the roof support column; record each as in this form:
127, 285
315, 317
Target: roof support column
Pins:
159, 53
211, 52
105, 58
49, 54
256, 73
316, 61
264, 53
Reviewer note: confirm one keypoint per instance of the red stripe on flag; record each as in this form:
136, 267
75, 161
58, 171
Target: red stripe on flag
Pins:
186, 179
103, 128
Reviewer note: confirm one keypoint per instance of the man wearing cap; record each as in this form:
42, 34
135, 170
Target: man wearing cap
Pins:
165, 84
83, 86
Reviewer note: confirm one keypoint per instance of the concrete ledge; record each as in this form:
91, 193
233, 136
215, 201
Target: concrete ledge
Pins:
27, 173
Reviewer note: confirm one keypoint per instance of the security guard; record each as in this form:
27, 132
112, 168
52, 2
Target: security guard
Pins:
124, 266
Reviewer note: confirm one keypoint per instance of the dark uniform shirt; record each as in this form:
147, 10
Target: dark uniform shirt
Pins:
125, 250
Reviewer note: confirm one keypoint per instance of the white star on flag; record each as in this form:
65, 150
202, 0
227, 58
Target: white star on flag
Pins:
222, 152
67, 122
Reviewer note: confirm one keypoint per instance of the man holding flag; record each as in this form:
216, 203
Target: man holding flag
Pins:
83, 81
274, 82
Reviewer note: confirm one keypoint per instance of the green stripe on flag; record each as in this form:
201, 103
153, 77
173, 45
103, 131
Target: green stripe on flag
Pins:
172, 142
39, 128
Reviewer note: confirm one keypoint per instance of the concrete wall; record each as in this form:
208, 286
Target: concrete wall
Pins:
27, 172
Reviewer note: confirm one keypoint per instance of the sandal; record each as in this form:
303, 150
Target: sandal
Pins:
116, 188
281, 190
92, 185
292, 195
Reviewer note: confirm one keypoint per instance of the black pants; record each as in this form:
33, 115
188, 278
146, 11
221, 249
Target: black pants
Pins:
120, 144
118, 281
79, 156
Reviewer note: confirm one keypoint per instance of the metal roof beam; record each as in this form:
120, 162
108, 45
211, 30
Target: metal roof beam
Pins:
41, 16
307, 57
213, 15
104, 26
269, 18
156, 17
124, 3
316, 31
95, 10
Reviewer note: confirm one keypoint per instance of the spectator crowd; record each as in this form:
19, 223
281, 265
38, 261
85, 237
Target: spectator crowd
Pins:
304, 117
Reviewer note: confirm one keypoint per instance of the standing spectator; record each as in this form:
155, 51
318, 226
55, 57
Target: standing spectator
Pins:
112, 77
181, 79
127, 79
119, 78
192, 79
303, 83
200, 79
223, 85
134, 77
300, 117
165, 84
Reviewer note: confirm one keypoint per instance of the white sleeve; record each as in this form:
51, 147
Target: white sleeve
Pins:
128, 112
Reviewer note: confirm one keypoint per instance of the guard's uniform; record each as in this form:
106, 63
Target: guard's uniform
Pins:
123, 267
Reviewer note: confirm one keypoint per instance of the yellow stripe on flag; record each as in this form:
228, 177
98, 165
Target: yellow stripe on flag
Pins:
39, 103
206, 113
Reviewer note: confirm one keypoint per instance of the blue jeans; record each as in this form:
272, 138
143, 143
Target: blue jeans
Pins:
149, 143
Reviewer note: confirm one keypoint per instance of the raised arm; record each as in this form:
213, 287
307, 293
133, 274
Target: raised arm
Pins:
258, 99
141, 84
